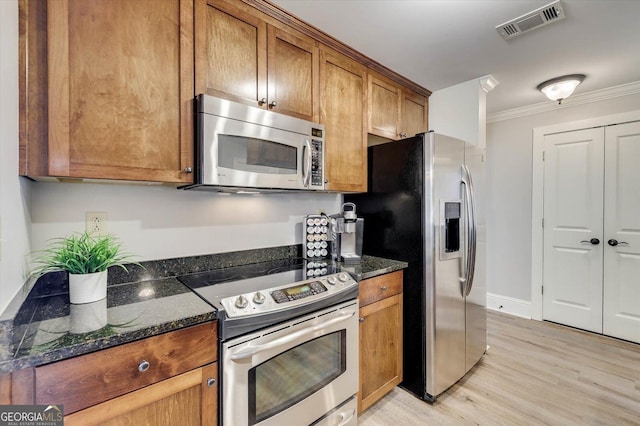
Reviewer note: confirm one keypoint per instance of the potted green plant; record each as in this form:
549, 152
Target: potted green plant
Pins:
86, 258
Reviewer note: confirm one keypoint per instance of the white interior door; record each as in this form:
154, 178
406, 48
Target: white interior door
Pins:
621, 315
573, 228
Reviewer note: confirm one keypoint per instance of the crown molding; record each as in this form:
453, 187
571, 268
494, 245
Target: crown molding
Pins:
580, 99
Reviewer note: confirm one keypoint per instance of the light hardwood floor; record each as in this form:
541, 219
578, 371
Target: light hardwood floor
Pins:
534, 373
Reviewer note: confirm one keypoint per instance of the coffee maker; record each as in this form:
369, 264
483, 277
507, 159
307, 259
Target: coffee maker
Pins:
346, 235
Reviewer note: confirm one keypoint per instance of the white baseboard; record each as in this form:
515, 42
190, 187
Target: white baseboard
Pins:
509, 305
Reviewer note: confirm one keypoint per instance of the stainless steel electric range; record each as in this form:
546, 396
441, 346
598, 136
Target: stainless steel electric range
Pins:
288, 333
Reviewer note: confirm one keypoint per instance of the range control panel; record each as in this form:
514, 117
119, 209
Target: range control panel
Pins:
287, 296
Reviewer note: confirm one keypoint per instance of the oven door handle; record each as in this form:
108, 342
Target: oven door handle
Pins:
250, 351
346, 417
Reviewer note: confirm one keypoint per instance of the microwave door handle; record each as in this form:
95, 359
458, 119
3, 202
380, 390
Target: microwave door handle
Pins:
250, 351
306, 168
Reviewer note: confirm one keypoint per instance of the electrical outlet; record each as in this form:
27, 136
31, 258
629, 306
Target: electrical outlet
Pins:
96, 222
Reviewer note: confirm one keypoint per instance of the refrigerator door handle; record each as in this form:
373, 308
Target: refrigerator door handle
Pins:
470, 265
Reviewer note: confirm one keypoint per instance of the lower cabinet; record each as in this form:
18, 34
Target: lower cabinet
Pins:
166, 379
380, 337
188, 399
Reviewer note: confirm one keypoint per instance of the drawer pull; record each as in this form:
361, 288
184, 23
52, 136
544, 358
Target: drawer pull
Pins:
361, 319
211, 381
143, 366
383, 288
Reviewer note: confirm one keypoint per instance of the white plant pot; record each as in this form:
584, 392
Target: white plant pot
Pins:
88, 317
87, 288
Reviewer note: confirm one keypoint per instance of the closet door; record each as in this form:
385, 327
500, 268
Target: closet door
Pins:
573, 197
622, 232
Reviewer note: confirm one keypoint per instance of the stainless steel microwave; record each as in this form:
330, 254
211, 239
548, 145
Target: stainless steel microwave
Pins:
240, 147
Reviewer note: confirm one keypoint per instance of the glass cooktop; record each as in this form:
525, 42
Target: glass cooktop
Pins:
228, 282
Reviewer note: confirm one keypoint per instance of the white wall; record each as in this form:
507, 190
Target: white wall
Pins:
509, 173
157, 222
14, 191
460, 111
153, 222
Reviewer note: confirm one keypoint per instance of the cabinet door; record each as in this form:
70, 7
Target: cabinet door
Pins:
188, 399
384, 107
343, 113
242, 57
292, 74
380, 349
231, 53
95, 377
120, 89
413, 115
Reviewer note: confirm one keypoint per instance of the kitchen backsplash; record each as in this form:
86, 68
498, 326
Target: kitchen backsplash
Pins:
158, 222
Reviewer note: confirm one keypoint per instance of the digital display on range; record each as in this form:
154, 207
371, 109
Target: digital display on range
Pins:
298, 292
293, 291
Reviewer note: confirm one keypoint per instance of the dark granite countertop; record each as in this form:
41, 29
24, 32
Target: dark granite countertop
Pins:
48, 328
371, 266
41, 326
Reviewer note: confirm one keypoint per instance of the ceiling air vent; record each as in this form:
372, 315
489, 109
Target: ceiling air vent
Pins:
538, 18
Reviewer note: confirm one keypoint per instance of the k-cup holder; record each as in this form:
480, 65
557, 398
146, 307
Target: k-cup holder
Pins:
316, 236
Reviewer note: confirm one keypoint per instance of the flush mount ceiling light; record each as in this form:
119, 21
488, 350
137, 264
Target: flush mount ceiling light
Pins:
560, 88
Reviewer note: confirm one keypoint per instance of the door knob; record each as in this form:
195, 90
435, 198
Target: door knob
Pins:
593, 241
614, 243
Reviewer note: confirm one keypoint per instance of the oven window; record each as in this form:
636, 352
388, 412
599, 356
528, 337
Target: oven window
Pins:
291, 376
256, 155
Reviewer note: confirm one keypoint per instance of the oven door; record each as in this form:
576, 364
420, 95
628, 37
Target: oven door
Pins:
293, 373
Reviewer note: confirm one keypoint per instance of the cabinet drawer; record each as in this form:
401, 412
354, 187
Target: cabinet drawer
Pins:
380, 287
89, 379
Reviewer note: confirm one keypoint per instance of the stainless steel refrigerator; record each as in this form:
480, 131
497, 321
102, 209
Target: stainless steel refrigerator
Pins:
423, 207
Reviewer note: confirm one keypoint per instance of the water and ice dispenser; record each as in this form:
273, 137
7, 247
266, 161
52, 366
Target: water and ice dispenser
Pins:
450, 228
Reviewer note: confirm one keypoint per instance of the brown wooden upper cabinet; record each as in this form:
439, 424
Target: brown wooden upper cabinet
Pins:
106, 89
395, 112
246, 56
343, 113
414, 112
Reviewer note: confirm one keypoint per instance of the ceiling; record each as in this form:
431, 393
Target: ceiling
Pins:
440, 43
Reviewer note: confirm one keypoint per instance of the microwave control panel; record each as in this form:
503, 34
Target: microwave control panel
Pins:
317, 178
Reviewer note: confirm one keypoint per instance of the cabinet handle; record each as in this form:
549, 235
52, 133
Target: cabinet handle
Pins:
210, 382
273, 104
383, 288
262, 101
361, 319
188, 170
143, 366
